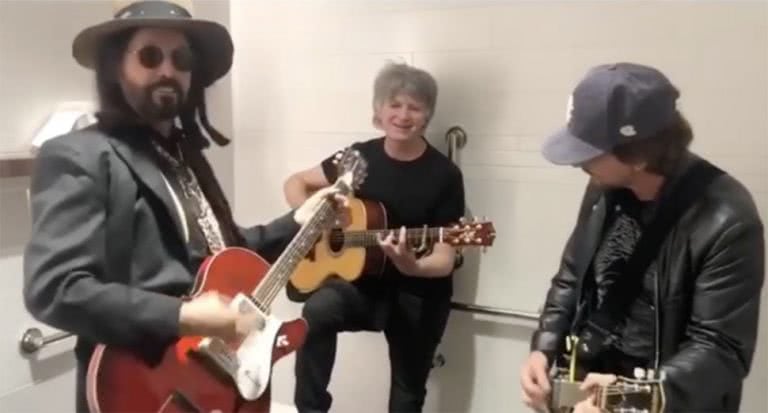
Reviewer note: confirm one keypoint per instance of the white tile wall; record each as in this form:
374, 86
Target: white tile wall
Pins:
302, 88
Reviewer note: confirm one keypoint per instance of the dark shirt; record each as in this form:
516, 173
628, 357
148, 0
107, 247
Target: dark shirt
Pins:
428, 190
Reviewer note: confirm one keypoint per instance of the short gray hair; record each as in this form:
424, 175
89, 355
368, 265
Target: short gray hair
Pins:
397, 78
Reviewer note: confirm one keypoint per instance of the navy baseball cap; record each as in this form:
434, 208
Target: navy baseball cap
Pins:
614, 104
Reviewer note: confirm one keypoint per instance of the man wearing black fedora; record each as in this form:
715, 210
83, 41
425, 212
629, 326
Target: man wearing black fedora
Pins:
126, 210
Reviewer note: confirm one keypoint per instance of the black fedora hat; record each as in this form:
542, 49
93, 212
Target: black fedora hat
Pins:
211, 40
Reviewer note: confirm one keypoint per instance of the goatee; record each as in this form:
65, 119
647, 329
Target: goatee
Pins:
162, 100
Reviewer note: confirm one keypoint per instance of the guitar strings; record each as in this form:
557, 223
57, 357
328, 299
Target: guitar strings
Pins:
266, 292
370, 237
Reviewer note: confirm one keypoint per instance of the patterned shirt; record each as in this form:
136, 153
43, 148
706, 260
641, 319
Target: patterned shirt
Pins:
626, 226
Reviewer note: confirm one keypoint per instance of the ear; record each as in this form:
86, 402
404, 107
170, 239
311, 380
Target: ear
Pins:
376, 120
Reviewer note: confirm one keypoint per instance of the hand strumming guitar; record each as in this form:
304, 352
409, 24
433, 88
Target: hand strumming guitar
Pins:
340, 204
590, 384
210, 314
535, 381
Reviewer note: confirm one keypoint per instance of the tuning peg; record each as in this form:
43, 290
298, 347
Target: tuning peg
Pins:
639, 373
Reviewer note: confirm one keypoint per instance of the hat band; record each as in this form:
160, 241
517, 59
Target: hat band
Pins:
152, 9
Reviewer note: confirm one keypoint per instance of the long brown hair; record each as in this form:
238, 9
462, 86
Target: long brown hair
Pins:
115, 113
662, 152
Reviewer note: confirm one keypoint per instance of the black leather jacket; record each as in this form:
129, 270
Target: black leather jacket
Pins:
710, 270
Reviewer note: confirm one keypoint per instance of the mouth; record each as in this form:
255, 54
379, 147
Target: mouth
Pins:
165, 91
165, 95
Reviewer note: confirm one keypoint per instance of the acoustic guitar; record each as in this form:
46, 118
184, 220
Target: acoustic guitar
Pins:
353, 251
642, 394
208, 374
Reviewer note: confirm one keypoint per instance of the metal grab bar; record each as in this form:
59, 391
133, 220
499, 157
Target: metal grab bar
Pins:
456, 138
504, 312
33, 339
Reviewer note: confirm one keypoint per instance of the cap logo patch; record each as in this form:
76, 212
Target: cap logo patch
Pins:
628, 130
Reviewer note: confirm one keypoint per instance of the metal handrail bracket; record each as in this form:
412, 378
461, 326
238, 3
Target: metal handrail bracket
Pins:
496, 311
33, 339
456, 138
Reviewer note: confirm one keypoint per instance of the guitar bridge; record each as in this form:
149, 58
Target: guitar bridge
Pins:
566, 394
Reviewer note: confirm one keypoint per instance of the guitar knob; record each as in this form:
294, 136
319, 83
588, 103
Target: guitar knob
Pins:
639, 373
650, 374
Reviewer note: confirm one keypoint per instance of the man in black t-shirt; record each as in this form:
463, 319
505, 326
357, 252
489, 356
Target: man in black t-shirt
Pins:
418, 186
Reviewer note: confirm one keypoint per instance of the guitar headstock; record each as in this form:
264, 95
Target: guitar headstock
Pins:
352, 169
470, 233
644, 393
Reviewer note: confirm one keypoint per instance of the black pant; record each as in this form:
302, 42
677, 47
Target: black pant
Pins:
413, 327
81, 400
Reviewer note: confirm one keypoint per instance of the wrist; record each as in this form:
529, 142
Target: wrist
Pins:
414, 268
184, 319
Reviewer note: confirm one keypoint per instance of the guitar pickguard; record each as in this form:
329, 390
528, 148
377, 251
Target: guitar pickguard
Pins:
251, 364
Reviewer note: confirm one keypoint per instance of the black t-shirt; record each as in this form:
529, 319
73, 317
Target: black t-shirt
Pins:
627, 220
428, 190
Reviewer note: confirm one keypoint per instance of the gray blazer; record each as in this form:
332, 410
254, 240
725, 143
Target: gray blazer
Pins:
107, 259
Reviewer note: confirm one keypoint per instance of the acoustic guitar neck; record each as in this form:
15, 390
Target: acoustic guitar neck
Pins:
370, 238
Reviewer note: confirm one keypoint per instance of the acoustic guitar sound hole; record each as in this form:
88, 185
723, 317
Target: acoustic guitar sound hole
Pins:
336, 240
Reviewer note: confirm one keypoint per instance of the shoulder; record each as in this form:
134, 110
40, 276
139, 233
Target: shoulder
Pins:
440, 163
86, 148
725, 218
728, 202
369, 145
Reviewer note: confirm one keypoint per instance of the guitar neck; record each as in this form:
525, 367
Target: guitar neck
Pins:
370, 238
280, 272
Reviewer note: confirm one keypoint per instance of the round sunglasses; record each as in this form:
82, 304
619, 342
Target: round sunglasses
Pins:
151, 57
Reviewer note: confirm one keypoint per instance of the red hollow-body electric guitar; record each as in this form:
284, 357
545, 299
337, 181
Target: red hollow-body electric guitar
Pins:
207, 374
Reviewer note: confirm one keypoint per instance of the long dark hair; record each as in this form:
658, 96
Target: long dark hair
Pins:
115, 114
663, 152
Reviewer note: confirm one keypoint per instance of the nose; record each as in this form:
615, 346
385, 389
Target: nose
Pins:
403, 113
166, 68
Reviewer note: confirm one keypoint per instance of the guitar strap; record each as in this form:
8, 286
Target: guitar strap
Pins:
598, 333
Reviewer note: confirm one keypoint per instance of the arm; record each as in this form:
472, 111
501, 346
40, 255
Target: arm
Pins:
563, 294
450, 209
722, 327
64, 263
559, 308
271, 239
440, 261
299, 186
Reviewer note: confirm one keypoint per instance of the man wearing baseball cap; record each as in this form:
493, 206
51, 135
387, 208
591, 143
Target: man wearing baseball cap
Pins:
664, 268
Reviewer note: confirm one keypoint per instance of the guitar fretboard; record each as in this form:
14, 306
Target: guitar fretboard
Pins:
279, 273
370, 238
